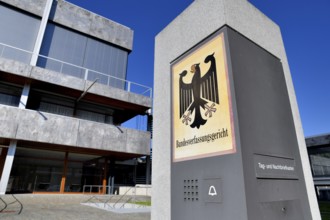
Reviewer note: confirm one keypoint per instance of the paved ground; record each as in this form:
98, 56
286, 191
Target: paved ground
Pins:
51, 207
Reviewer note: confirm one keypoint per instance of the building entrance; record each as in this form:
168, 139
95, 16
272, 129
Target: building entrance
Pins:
50, 171
37, 171
3, 154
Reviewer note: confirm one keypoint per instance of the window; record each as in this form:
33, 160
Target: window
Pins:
37, 170
19, 30
70, 53
61, 105
10, 94
320, 163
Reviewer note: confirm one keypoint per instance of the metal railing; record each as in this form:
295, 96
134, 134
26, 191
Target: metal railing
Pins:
6, 51
15, 53
127, 199
130, 196
9, 207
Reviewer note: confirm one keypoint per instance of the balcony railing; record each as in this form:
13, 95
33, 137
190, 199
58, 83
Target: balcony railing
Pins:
10, 52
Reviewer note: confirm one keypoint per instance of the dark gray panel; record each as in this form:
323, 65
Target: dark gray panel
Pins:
224, 173
266, 127
284, 210
270, 167
265, 134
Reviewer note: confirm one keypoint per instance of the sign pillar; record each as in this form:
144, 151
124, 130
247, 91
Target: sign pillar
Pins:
226, 138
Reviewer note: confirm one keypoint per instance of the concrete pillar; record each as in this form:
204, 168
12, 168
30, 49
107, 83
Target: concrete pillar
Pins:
41, 32
36, 50
148, 170
24, 96
111, 179
7, 167
3, 155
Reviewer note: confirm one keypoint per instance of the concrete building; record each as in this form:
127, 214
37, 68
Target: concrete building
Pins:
318, 148
63, 98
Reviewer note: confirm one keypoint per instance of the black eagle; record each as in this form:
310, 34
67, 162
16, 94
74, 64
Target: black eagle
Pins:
193, 95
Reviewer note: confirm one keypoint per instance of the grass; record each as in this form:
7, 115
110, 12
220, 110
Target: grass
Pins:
142, 203
325, 209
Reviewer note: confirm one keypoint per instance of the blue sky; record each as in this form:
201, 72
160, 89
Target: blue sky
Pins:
305, 27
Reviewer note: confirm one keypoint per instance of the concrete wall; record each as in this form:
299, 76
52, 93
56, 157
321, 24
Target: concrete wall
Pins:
44, 75
81, 20
318, 140
33, 6
92, 24
198, 21
138, 190
30, 125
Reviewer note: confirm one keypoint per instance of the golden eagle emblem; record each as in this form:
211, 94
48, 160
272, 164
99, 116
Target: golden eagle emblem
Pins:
198, 93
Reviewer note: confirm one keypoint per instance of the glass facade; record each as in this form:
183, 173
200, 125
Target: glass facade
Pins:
319, 156
36, 170
39, 170
320, 163
3, 154
10, 94
18, 30
67, 106
84, 170
62, 50
72, 53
